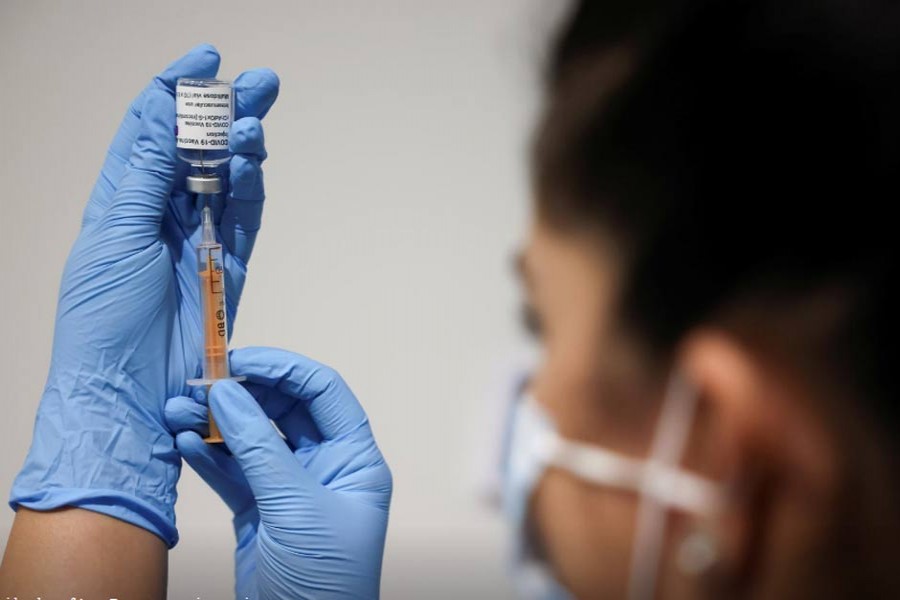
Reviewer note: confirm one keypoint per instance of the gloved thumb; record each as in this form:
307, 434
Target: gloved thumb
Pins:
187, 419
216, 468
137, 208
274, 474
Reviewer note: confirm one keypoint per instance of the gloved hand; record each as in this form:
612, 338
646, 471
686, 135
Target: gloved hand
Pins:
310, 510
128, 330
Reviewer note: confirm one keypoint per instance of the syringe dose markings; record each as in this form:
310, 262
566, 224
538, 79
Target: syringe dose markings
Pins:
213, 303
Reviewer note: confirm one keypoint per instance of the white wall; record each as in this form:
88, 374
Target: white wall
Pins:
396, 195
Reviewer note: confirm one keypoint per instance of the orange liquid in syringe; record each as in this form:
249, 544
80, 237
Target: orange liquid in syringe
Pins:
215, 334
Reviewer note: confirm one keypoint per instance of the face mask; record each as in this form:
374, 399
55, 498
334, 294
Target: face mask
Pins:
523, 469
534, 445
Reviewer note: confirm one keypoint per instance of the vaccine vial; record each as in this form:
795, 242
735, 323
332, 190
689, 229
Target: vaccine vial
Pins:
204, 110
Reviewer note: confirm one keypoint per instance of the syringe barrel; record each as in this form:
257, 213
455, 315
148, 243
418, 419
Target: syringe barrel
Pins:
213, 311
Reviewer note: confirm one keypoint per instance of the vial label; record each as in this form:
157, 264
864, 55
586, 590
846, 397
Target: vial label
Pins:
202, 117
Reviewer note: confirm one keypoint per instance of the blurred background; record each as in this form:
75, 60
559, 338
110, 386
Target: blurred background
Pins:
396, 195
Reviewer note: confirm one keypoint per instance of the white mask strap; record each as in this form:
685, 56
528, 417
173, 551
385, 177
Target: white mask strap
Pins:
657, 479
672, 433
669, 486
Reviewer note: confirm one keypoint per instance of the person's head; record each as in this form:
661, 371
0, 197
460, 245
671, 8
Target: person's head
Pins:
712, 184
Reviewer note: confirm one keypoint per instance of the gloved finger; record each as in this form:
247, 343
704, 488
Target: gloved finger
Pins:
201, 61
255, 92
184, 215
137, 206
243, 210
186, 414
246, 137
216, 468
331, 404
270, 467
291, 417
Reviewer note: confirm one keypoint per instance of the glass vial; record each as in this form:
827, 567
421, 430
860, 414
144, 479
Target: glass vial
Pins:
204, 110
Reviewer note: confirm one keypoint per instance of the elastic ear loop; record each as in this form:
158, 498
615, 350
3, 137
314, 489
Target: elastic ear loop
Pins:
673, 429
658, 480
661, 484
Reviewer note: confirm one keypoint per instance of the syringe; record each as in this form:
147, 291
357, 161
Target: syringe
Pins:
211, 270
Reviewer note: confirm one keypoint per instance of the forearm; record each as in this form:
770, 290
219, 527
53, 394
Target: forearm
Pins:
78, 553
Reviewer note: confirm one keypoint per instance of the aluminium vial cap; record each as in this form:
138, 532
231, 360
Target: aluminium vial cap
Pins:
204, 184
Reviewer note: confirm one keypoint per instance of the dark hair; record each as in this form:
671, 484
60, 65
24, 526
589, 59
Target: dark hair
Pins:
742, 153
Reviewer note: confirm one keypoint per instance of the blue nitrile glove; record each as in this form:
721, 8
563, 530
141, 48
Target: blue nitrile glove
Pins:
310, 510
128, 331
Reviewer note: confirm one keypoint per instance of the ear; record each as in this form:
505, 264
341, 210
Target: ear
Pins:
757, 433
